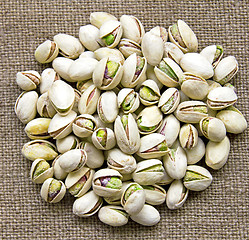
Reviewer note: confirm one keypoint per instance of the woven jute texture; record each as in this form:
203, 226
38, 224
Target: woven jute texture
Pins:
220, 212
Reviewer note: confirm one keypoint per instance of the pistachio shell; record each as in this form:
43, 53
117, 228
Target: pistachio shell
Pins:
99, 18
110, 140
196, 153
61, 66
154, 194
151, 75
44, 106
28, 80
67, 143
48, 76
161, 32
59, 173
188, 136
87, 54
213, 54
173, 52
112, 54
128, 47
46, 52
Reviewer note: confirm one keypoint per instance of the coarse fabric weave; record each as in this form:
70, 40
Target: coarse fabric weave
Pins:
220, 212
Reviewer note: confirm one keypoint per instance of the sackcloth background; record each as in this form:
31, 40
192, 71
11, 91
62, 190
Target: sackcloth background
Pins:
220, 212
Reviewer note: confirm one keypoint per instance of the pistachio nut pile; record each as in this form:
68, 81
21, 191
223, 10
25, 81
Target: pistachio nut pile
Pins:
123, 117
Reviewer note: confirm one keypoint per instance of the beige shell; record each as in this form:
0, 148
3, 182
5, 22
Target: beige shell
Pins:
128, 47
67, 143
161, 32
173, 52
150, 73
61, 66
83, 85
112, 54
28, 80
99, 18
59, 173
87, 54
188, 136
154, 194
48, 76
196, 153
165, 180
44, 106
110, 142
209, 53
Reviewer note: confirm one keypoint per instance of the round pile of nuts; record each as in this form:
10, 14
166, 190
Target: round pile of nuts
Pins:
132, 114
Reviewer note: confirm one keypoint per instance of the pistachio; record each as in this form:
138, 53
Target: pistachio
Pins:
28, 80
59, 173
87, 54
161, 32
128, 47
45, 107
103, 138
83, 85
99, 18
128, 100
110, 53
46, 52
196, 153
213, 54
61, 65
149, 93
67, 143
48, 76
154, 194
188, 136
173, 52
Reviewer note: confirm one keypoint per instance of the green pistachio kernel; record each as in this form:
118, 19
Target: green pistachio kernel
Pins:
124, 121
162, 146
205, 125
193, 176
133, 188
148, 187
102, 136
163, 66
115, 183
148, 94
155, 168
85, 123
177, 36
40, 168
129, 101
168, 105
143, 128
54, 189
109, 39
112, 68
201, 109
218, 53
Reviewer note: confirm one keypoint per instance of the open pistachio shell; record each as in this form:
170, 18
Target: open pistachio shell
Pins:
112, 54
67, 143
48, 76
99, 18
172, 51
196, 153
161, 32
128, 47
83, 85
103, 138
213, 54
59, 173
154, 194
188, 136
28, 80
44, 106
61, 66
76, 100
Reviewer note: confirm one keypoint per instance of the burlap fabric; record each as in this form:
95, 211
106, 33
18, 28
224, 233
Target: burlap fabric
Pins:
220, 212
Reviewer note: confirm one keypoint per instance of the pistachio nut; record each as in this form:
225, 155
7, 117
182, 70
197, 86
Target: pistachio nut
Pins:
183, 37
197, 178
225, 70
53, 190
87, 54
40, 171
69, 46
149, 93
45, 107
168, 72
110, 33
25, 106
148, 216
161, 32
126, 177
61, 65
170, 129
84, 125
128, 100
39, 149
196, 153
48, 76
212, 85
176, 195
172, 51
120, 161
101, 124
175, 163
59, 173
152, 48
99, 18
128, 47
87, 205
191, 111
79, 182
233, 119
38, 128
169, 100
83, 85
61, 96
188, 136
67, 143
183, 97
133, 198
127, 134
28, 80
197, 64
165, 180
103, 138
95, 157
152, 146
89, 99
113, 215
149, 120
46, 52
220, 98
73, 160
60, 126
217, 153
107, 182
151, 75
76, 100
112, 54
134, 71
132, 28
107, 107
148, 172
213, 129
154, 194
107, 74
194, 86
82, 69
89, 37
213, 54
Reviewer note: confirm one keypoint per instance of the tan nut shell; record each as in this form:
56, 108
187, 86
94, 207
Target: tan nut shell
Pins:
61, 66
25, 80
188, 136
44, 106
110, 142
59, 173
173, 52
99, 18
67, 143
155, 197
112, 54
48, 76
128, 47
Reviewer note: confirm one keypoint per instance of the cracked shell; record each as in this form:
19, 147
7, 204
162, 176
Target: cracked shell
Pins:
103, 138
99, 18
188, 136
44, 106
61, 65
173, 52
154, 194
213, 54
28, 80
128, 47
112, 54
48, 76
67, 143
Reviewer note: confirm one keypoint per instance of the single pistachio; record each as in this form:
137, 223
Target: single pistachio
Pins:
148, 172
25, 106
151, 75
191, 111
69, 46
213, 54
225, 70
39, 149
161, 32
168, 72
101, 124
166, 179
46, 52
134, 71
99, 18
103, 138
154, 194
79, 182
220, 98
113, 215
67, 143
175, 163
172, 51
128, 47
38, 128
217, 153
127, 177
52, 190
28, 80
188, 136
132, 28
176, 195
111, 53
133, 198
61, 66
152, 146
196, 153
107, 182
87, 54
183, 37
212, 85
45, 107
59, 173
40, 171
148, 216
128, 100
197, 178
83, 85
233, 120
87, 205
48, 76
